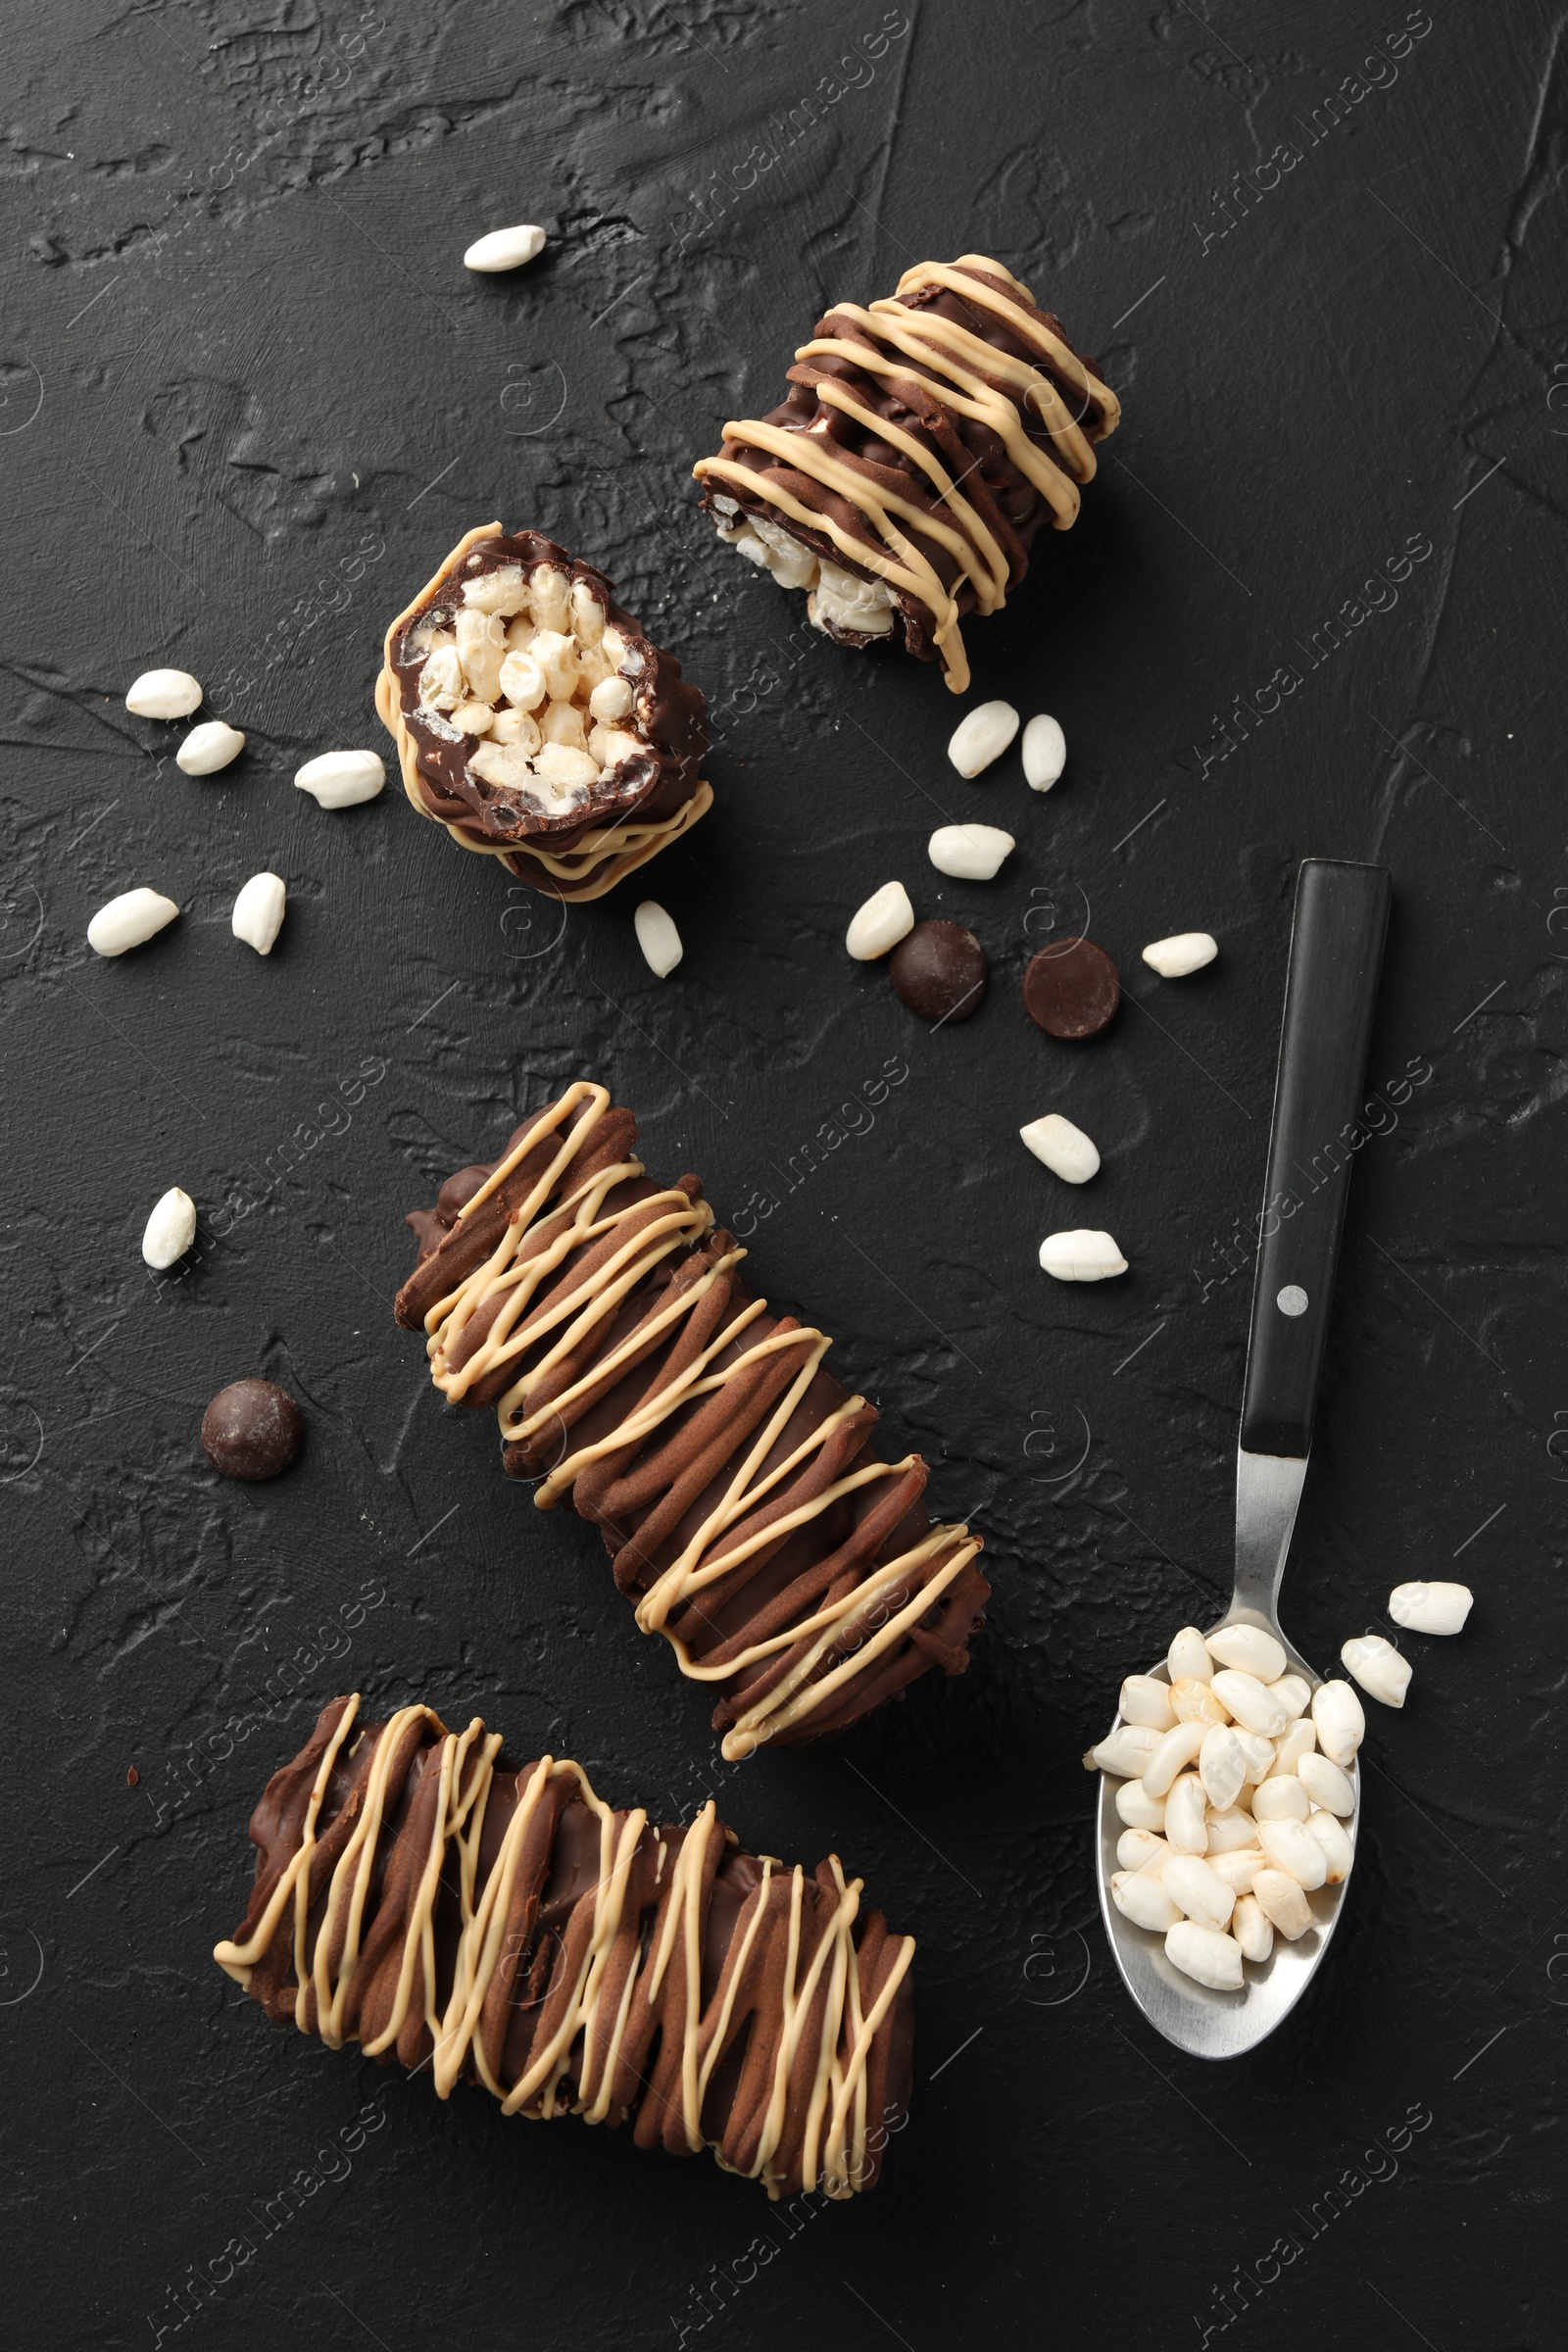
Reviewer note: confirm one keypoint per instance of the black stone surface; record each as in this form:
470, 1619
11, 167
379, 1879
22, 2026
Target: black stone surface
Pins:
250, 398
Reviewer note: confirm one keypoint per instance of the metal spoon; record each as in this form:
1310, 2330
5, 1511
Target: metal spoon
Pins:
1342, 913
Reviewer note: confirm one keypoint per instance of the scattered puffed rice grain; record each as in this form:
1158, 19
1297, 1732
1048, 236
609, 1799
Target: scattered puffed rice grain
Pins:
1282, 1797
1144, 1698
1082, 1256
1137, 1809
1294, 1693
982, 735
1204, 1955
165, 694
1330, 1789
170, 1229
1187, 1658
1340, 1721
1221, 1766
1430, 1608
1338, 1851
1299, 1741
1291, 1847
1197, 1890
1144, 1900
1125, 1750
970, 852
505, 249
1174, 1751
1283, 1902
885, 917
1249, 1649
1238, 1866
1251, 1702
1137, 1849
1065, 1149
1252, 1929
1230, 1832
258, 915
1193, 1701
1045, 753
1187, 1815
342, 779
657, 937
1188, 952
1377, 1667
208, 747
127, 921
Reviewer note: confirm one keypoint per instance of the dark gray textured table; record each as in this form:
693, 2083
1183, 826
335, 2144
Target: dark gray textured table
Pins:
250, 398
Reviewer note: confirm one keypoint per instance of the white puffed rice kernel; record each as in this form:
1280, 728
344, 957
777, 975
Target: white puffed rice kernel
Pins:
170, 1229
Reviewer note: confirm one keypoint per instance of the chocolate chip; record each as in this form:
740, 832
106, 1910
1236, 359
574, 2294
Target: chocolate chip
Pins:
253, 1429
939, 970
133, 1777
1071, 988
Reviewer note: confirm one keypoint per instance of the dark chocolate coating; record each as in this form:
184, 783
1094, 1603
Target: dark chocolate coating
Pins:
1071, 989
938, 969
668, 709
546, 1927
252, 1430
645, 1498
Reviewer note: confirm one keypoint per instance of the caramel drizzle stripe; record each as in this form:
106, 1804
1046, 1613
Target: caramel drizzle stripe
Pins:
956, 276
837, 2092
833, 1613
976, 540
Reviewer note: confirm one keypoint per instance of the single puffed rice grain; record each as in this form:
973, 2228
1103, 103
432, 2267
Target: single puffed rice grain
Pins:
1187, 1815
1250, 1927
505, 249
1137, 1849
1193, 1701
1138, 1809
1430, 1608
1249, 1649
1204, 1955
1329, 1788
1125, 1750
885, 917
127, 921
970, 852
1065, 1149
170, 1229
165, 694
1081, 1256
1251, 1702
1338, 1852
1377, 1667
657, 937
1188, 1657
1144, 1698
1291, 1847
1144, 1900
1197, 1890
1282, 1798
1221, 1766
1188, 952
1045, 753
342, 779
1230, 1832
1173, 1751
1299, 1741
1283, 1902
208, 747
1238, 1866
258, 915
981, 736
1340, 1721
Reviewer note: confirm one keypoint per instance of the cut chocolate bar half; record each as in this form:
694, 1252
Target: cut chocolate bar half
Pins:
922, 443
536, 720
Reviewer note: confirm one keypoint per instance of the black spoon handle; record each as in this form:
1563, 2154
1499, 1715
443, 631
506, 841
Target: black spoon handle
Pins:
1342, 913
